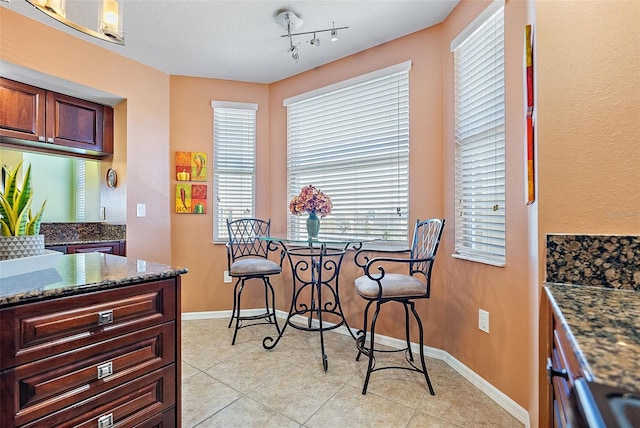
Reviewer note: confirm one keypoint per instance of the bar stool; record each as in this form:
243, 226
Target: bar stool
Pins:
379, 287
247, 258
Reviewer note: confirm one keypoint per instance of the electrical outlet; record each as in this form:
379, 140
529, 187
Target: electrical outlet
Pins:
483, 320
227, 278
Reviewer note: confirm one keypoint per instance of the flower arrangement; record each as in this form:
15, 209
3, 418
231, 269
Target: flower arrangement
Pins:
311, 200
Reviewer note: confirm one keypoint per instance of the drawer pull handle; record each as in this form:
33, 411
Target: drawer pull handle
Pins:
105, 317
105, 421
551, 372
105, 370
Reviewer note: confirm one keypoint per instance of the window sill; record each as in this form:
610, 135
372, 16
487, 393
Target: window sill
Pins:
486, 261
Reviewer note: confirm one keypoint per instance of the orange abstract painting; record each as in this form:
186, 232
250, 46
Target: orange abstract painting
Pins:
183, 166
191, 198
531, 190
198, 166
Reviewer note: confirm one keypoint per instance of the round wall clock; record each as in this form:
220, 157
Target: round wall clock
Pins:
112, 177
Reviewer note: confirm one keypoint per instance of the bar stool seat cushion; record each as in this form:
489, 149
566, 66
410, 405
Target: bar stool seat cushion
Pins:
394, 285
254, 266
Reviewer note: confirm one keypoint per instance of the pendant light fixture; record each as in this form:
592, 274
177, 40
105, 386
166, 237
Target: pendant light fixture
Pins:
290, 21
109, 18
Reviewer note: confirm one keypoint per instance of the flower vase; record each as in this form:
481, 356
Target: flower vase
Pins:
313, 225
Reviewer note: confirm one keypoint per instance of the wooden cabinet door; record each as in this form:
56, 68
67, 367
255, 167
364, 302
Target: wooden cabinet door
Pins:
73, 122
22, 111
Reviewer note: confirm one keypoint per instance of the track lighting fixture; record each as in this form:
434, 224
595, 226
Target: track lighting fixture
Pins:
290, 21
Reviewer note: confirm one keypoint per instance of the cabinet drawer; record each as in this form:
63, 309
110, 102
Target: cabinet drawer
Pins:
48, 385
39, 330
564, 355
126, 405
167, 419
105, 247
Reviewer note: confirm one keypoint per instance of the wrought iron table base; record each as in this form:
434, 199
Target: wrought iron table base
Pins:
316, 270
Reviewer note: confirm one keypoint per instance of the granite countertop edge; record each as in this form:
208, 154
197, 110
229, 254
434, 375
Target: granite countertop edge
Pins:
604, 338
71, 274
83, 241
38, 295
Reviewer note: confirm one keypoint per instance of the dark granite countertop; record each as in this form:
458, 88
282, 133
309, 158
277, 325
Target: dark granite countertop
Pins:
604, 326
80, 273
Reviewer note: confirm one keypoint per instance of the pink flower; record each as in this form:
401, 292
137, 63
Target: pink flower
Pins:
311, 200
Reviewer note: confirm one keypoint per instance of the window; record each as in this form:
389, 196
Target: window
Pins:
480, 138
351, 140
234, 164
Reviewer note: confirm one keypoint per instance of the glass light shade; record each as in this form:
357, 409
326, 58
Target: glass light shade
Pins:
111, 17
108, 17
55, 6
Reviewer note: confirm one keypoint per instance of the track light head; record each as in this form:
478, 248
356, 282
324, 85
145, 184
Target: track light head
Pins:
315, 41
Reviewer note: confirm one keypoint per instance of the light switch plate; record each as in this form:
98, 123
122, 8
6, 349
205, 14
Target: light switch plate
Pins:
483, 320
141, 210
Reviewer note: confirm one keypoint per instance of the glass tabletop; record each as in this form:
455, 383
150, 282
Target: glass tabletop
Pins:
329, 241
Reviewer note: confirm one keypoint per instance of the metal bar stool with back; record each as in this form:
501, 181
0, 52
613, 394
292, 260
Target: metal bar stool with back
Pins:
248, 258
379, 286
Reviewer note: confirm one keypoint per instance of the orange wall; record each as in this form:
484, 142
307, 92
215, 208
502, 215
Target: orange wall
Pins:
192, 130
589, 135
505, 356
588, 111
142, 123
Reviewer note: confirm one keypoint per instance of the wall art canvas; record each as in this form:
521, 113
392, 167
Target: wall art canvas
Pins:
198, 166
191, 198
183, 166
531, 190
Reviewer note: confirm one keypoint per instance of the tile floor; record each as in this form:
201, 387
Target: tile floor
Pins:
246, 386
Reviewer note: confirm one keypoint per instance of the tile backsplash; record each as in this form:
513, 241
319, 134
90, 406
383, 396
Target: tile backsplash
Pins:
611, 261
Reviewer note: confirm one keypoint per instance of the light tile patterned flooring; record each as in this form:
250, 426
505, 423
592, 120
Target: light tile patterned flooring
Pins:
246, 386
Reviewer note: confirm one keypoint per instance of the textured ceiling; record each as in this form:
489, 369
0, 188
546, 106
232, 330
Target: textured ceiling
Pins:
240, 40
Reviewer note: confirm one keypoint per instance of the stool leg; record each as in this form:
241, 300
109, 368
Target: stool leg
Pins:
237, 314
235, 298
271, 311
406, 327
371, 347
363, 333
424, 366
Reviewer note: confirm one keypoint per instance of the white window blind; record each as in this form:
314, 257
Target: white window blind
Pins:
234, 149
351, 141
81, 188
480, 139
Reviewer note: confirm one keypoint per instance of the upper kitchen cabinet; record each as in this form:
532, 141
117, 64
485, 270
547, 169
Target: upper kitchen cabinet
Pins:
52, 122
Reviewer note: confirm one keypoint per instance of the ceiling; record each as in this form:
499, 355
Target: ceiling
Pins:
240, 40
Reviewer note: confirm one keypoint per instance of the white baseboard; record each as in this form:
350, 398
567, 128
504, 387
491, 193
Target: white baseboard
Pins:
514, 409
